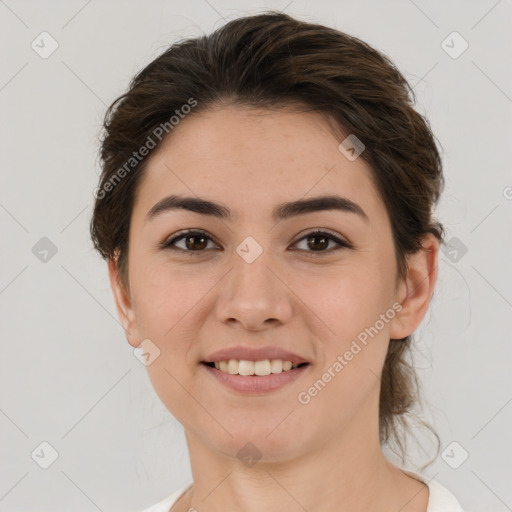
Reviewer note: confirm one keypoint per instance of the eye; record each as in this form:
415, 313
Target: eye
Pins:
196, 241
321, 240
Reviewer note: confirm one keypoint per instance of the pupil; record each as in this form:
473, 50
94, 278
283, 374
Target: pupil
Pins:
323, 244
195, 246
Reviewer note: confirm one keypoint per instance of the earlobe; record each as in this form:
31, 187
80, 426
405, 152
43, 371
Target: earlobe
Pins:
123, 304
415, 291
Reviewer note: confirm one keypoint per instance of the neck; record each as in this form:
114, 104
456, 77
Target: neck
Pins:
345, 473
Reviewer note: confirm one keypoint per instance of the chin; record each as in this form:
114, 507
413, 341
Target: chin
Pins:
256, 444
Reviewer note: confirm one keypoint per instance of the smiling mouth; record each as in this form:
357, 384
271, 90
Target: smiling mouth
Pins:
253, 368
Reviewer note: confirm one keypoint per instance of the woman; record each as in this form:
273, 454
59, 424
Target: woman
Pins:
265, 208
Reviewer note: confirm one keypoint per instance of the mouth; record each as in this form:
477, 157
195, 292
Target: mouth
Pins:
254, 368
254, 377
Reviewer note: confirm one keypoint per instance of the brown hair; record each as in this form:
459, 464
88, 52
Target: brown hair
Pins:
272, 60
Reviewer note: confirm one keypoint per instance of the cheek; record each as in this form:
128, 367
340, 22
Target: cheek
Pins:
170, 303
164, 297
353, 347
172, 306
352, 358
347, 299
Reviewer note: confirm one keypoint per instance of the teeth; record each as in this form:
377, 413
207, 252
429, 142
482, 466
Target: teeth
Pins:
232, 366
245, 368
276, 366
264, 367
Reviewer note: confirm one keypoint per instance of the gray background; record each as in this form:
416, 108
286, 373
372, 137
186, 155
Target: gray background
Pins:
68, 376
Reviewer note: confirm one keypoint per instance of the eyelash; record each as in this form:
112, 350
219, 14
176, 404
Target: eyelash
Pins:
168, 244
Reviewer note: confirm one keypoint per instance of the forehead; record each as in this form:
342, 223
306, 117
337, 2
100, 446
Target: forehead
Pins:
250, 158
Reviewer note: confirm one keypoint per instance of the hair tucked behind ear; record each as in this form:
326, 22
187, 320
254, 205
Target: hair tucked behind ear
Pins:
272, 60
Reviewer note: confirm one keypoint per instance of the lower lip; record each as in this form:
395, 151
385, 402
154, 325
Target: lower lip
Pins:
256, 384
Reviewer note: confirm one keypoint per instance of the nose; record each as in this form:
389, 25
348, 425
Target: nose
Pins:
254, 296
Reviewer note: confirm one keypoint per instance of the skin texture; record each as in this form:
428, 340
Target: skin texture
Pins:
324, 455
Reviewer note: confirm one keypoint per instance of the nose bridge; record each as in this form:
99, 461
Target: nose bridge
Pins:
251, 277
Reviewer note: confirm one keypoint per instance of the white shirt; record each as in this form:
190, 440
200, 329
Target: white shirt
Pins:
440, 499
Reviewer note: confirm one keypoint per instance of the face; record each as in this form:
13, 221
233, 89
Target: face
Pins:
254, 279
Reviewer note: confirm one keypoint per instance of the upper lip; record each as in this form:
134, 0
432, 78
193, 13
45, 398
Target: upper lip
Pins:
254, 354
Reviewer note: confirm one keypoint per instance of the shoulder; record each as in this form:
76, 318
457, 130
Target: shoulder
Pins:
167, 503
440, 498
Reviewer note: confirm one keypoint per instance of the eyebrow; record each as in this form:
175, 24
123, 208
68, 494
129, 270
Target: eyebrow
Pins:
281, 212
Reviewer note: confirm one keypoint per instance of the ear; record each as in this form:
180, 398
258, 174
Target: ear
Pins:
415, 291
124, 304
